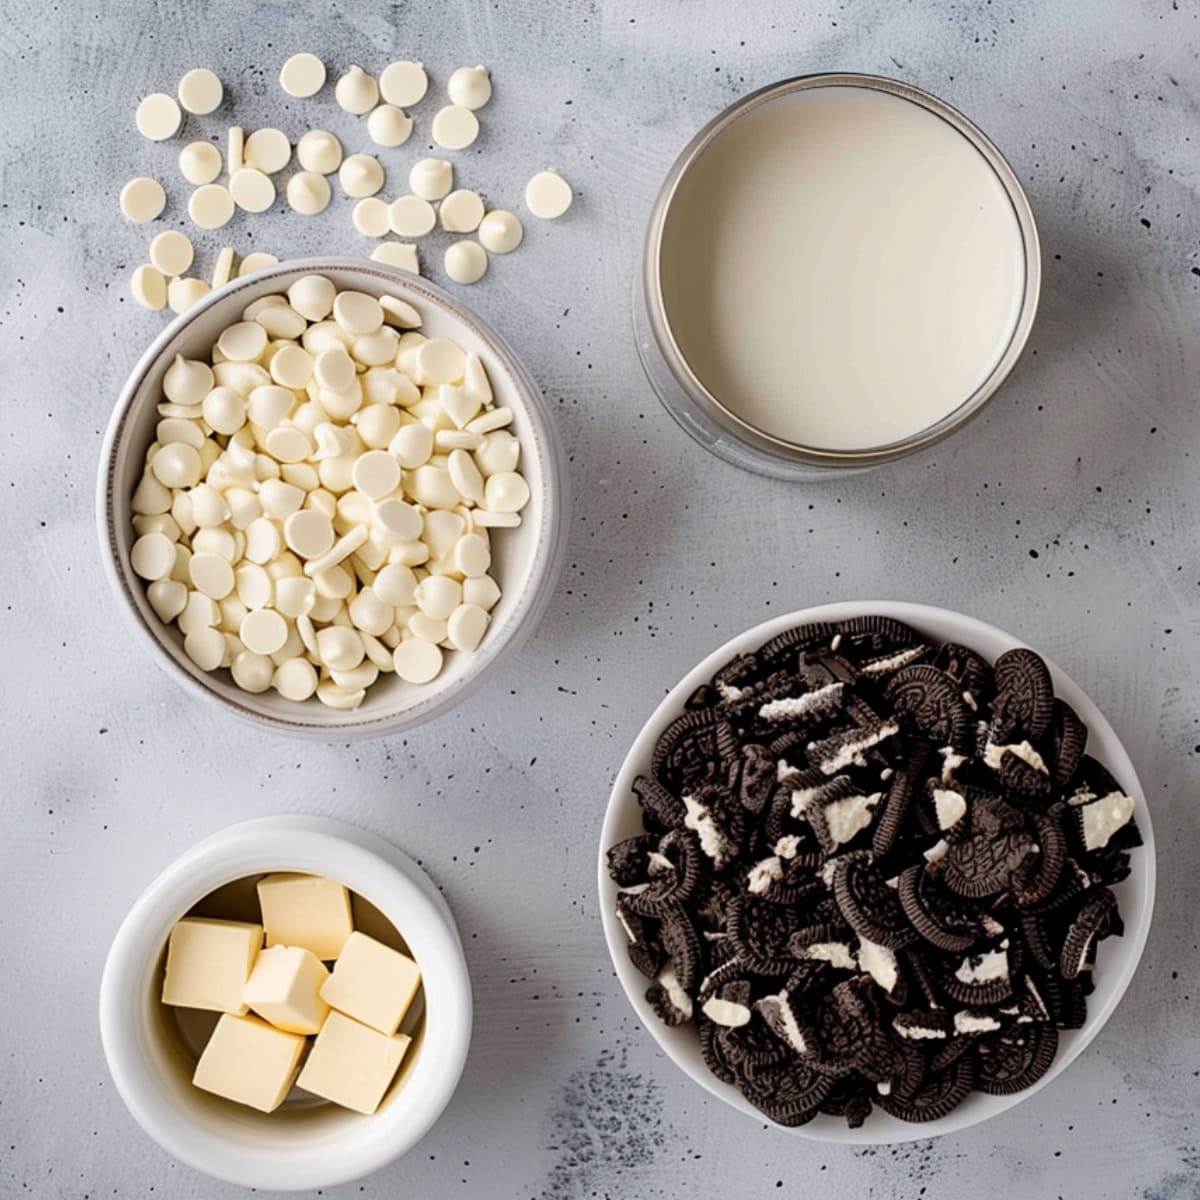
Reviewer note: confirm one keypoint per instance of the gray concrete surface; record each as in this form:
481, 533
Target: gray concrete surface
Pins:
1067, 514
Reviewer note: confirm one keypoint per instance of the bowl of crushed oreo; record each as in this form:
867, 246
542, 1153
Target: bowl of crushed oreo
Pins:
875, 872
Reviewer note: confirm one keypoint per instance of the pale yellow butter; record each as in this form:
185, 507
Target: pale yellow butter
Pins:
249, 1061
352, 1064
285, 989
306, 910
372, 983
208, 963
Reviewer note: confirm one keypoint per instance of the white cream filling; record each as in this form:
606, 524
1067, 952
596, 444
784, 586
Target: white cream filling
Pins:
878, 962
797, 706
968, 1022
763, 874
1102, 818
712, 841
950, 806
787, 1019
903, 658
950, 763
846, 817
993, 755
678, 997
788, 846
937, 851
855, 752
837, 954
915, 1033
981, 968
728, 692
725, 1012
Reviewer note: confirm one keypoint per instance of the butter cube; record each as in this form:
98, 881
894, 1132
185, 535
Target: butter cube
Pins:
285, 989
351, 1064
372, 983
249, 1061
305, 910
208, 963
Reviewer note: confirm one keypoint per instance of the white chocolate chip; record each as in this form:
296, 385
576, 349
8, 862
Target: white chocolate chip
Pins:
211, 206
417, 661
465, 262
149, 288
308, 193
267, 150
431, 178
142, 199
171, 253
360, 175
401, 255
500, 232
461, 211
319, 151
455, 127
200, 91
410, 216
302, 75
469, 87
356, 91
548, 195
403, 83
388, 125
370, 217
252, 190
158, 117
200, 162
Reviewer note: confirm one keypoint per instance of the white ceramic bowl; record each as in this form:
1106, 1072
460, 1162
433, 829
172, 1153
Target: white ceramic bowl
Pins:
299, 1146
526, 559
1117, 959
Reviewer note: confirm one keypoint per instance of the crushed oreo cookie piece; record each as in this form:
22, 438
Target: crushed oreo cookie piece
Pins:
874, 872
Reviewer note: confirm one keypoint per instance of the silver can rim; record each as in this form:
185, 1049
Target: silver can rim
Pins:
777, 449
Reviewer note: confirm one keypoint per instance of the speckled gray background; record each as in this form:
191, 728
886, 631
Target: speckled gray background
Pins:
1068, 514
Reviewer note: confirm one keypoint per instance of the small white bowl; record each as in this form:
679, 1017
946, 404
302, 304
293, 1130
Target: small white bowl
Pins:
299, 1146
1117, 959
526, 559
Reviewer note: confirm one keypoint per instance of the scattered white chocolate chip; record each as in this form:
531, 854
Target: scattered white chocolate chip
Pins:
403, 84
356, 91
469, 87
268, 150
302, 75
171, 252
465, 262
319, 150
308, 193
142, 199
388, 125
149, 287
370, 217
402, 255
223, 268
548, 195
431, 178
200, 91
235, 144
500, 232
252, 190
211, 206
257, 261
410, 216
417, 661
183, 293
200, 162
360, 175
455, 127
461, 211
158, 117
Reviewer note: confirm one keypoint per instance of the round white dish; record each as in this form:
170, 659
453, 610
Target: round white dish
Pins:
299, 1146
1117, 959
526, 559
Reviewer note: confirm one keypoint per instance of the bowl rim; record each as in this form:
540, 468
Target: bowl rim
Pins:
366, 864
1127, 950
548, 552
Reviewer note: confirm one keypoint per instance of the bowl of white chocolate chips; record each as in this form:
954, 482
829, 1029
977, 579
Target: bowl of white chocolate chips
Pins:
331, 499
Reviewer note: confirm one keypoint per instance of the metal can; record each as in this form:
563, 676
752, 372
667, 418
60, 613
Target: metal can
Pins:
711, 418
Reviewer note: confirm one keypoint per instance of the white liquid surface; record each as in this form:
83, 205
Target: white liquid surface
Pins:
842, 268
